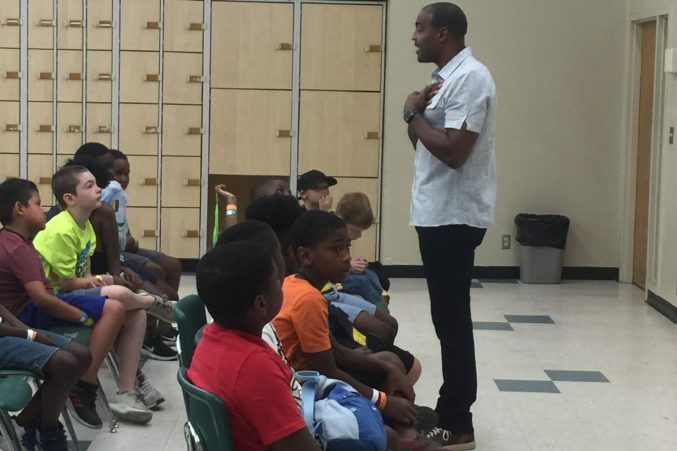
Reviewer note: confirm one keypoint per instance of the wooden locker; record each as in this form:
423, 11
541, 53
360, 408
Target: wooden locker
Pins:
182, 130
41, 127
99, 123
41, 23
10, 74
10, 24
180, 232
340, 133
257, 138
40, 172
71, 24
99, 24
182, 74
341, 47
252, 45
69, 76
364, 247
143, 226
99, 76
181, 182
139, 129
10, 128
143, 181
140, 25
183, 26
139, 77
69, 127
9, 166
41, 75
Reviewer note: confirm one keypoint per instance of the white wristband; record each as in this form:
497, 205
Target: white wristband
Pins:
30, 334
374, 396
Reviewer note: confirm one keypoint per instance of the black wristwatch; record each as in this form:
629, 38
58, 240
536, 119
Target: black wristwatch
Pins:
409, 114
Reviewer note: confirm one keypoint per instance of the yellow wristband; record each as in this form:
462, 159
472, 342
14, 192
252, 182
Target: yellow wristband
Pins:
231, 207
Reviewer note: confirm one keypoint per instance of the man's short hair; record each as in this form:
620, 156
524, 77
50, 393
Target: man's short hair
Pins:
229, 277
279, 212
65, 181
355, 209
117, 154
249, 230
313, 227
450, 16
11, 192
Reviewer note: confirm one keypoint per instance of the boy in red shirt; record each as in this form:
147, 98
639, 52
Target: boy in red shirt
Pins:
240, 286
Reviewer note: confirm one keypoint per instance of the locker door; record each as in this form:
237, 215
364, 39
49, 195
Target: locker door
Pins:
41, 127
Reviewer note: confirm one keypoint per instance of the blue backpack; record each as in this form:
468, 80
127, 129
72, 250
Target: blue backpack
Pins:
339, 417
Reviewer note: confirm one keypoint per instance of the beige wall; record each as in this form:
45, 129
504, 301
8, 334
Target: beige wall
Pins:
559, 71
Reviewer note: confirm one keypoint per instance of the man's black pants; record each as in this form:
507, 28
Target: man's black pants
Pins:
448, 254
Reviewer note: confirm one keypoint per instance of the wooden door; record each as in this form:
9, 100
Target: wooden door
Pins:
143, 181
182, 74
69, 76
182, 130
9, 127
99, 123
140, 25
40, 172
69, 127
183, 26
41, 23
10, 74
40, 75
139, 77
40, 127
9, 17
99, 76
181, 182
143, 226
139, 129
180, 232
99, 24
70, 24
644, 135
9, 166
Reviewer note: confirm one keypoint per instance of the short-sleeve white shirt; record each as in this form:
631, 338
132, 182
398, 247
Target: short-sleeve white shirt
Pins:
467, 195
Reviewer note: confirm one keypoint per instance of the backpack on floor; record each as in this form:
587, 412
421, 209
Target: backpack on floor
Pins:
339, 417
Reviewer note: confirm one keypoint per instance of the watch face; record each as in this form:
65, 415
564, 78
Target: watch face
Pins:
409, 114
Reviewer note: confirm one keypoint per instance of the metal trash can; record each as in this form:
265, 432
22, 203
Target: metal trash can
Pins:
542, 239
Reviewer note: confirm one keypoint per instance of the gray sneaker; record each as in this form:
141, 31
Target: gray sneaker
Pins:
149, 395
129, 407
452, 440
162, 308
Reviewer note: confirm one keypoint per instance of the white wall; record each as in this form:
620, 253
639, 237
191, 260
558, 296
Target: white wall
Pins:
559, 71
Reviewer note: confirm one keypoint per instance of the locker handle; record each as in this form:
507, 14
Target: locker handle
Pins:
149, 181
191, 234
74, 128
371, 135
149, 233
45, 23
74, 23
372, 49
105, 76
12, 127
194, 131
191, 182
12, 75
284, 134
151, 130
46, 76
284, 46
12, 22
46, 128
44, 180
195, 26
74, 76
195, 79
104, 129
151, 77
152, 25
105, 24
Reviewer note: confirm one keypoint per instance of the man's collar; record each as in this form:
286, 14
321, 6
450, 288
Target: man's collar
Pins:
451, 66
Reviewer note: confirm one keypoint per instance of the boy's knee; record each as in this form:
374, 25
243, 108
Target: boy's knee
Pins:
63, 366
81, 354
114, 308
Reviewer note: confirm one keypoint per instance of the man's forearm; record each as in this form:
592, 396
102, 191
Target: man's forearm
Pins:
435, 140
413, 137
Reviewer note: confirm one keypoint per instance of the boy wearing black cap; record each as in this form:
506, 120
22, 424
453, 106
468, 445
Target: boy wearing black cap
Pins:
313, 187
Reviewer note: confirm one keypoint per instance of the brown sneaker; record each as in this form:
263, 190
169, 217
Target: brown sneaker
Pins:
452, 440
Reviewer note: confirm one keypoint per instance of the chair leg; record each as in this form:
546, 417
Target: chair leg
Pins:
103, 403
71, 430
8, 431
113, 365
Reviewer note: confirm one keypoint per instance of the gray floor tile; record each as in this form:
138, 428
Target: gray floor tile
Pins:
510, 281
526, 386
491, 325
530, 319
576, 376
476, 284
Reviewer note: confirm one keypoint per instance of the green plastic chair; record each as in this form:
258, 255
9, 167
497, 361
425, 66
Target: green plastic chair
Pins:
15, 394
208, 427
190, 317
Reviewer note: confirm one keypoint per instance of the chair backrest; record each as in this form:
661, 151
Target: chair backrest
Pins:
207, 414
190, 317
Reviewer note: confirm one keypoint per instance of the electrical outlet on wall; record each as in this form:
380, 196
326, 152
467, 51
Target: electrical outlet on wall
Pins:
505, 241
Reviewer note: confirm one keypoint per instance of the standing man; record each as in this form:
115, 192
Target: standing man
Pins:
451, 125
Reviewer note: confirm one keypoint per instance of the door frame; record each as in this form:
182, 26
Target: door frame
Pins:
629, 147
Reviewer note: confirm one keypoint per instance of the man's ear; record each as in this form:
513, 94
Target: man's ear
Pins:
304, 256
443, 34
68, 198
18, 208
259, 305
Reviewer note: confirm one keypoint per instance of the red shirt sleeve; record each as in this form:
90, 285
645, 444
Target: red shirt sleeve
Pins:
264, 394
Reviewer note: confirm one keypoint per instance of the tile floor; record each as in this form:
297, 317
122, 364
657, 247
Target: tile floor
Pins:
577, 366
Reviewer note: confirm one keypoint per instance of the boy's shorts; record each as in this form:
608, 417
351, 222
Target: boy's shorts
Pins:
375, 380
21, 354
88, 300
352, 305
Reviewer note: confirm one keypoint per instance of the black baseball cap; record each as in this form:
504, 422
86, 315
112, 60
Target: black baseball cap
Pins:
313, 178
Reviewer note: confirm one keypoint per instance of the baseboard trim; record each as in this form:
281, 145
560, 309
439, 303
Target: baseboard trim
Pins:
508, 272
662, 306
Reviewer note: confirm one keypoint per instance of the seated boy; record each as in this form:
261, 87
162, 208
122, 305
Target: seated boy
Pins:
54, 358
313, 188
240, 286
